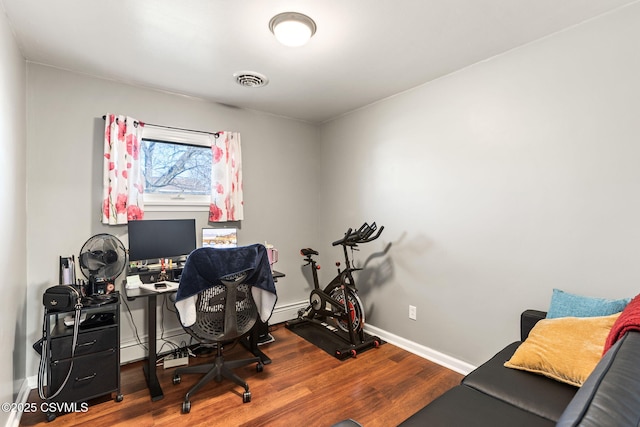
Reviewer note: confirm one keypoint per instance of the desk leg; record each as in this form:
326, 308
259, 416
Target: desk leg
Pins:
150, 369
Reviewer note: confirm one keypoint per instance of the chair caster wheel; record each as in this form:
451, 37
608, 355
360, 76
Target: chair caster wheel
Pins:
119, 398
260, 367
176, 379
186, 407
246, 397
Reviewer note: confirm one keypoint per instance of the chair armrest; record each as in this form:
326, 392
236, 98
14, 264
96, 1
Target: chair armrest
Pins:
528, 320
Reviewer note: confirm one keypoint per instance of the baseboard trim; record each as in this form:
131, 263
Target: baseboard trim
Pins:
290, 311
21, 398
287, 312
418, 349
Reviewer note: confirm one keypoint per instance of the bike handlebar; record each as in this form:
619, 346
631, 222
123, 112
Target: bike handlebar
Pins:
362, 235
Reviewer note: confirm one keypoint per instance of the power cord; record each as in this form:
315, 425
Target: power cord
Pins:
166, 341
42, 369
133, 323
178, 351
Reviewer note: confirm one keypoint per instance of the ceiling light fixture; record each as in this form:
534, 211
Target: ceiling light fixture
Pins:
292, 28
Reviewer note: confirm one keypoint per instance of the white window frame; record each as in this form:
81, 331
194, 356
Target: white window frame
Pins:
170, 202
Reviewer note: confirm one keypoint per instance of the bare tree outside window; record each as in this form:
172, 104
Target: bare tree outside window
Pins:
171, 168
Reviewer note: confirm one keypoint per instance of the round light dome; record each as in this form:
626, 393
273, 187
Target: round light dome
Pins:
292, 28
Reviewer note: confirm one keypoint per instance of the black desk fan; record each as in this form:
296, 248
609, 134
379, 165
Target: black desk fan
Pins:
102, 258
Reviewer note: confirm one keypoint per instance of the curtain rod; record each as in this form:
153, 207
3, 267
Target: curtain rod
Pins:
215, 134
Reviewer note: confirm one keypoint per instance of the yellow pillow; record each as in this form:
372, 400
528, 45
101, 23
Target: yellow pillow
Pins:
566, 349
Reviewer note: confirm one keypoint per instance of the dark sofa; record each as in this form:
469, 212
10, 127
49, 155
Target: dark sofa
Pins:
493, 395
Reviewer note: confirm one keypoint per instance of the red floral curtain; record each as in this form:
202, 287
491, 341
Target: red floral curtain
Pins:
122, 179
226, 179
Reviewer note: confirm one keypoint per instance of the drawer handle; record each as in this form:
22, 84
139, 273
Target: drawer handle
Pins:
87, 344
87, 378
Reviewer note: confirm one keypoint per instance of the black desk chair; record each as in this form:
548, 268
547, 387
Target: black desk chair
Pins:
224, 313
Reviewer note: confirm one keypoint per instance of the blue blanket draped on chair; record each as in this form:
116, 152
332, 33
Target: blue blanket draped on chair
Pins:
205, 267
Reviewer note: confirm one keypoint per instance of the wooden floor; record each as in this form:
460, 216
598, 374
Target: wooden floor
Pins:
304, 386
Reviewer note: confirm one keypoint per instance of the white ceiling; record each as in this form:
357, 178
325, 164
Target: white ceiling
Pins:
363, 50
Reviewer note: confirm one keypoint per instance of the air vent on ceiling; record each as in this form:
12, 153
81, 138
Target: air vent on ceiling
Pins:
251, 79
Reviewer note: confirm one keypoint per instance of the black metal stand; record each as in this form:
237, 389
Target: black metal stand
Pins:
92, 369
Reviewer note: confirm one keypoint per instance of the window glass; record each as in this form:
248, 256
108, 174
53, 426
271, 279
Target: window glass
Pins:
175, 169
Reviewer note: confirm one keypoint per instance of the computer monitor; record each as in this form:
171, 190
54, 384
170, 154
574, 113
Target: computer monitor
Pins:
161, 238
219, 237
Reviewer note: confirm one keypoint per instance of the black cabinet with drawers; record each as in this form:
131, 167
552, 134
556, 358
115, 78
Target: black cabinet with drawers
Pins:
94, 369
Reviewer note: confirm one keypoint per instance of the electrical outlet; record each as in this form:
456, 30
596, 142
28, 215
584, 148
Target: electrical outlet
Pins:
412, 312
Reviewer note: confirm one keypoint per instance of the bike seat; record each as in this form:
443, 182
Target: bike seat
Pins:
308, 252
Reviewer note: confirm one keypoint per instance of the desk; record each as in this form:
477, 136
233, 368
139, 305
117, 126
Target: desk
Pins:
251, 342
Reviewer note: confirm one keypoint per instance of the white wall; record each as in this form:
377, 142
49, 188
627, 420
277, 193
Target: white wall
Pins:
13, 215
495, 185
64, 174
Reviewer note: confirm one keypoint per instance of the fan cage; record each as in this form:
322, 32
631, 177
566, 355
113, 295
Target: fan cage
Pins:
97, 243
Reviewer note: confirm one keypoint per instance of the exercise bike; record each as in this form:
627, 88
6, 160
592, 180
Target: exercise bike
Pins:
337, 308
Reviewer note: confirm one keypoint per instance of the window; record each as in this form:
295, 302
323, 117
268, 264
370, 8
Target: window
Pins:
176, 167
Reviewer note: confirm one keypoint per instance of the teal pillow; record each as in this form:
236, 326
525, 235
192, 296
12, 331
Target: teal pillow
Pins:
564, 304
